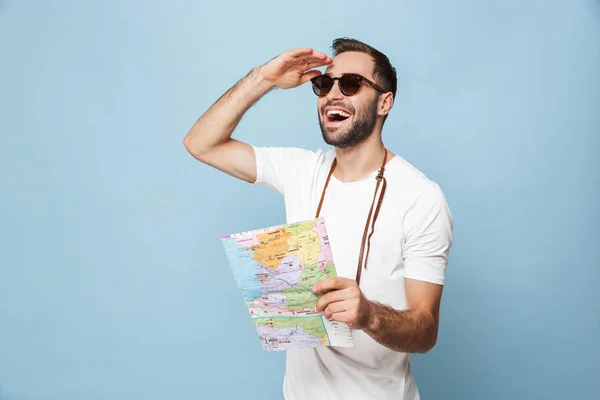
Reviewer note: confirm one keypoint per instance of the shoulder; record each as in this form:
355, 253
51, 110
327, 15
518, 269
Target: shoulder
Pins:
407, 177
411, 186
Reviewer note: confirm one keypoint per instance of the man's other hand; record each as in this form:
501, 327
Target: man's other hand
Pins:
343, 302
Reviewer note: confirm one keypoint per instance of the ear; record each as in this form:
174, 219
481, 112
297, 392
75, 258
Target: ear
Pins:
386, 101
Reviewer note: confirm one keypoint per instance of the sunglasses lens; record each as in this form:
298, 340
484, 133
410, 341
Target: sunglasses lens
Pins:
322, 84
349, 84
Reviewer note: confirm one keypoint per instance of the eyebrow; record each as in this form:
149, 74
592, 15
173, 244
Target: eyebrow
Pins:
347, 72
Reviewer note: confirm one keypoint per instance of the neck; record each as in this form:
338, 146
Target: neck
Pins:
355, 163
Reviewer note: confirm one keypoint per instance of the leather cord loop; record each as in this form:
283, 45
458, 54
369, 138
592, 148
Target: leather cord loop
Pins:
381, 181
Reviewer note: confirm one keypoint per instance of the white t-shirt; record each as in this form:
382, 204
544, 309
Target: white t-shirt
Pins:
412, 239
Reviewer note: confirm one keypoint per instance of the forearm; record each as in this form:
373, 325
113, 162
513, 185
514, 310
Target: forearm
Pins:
411, 331
217, 124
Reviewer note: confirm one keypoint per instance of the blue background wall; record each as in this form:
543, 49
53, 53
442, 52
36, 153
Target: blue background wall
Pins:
113, 282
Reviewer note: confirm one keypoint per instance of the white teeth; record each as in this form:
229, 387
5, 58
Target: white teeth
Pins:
338, 112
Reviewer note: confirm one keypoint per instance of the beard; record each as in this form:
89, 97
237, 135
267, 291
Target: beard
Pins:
358, 131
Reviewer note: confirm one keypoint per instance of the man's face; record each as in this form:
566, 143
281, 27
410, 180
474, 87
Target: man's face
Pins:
348, 120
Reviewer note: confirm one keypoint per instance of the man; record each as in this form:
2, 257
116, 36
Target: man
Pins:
389, 226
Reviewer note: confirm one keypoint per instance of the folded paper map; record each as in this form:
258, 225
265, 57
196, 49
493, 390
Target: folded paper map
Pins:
275, 268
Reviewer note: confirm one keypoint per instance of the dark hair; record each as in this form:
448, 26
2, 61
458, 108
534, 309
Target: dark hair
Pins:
383, 70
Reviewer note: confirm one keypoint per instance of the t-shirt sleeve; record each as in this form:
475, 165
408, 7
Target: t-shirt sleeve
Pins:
428, 226
276, 167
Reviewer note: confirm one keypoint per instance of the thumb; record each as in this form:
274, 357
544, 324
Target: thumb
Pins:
308, 75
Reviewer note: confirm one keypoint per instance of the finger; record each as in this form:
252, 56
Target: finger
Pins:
307, 64
308, 52
333, 283
342, 316
302, 51
314, 61
307, 76
322, 56
316, 64
333, 308
331, 297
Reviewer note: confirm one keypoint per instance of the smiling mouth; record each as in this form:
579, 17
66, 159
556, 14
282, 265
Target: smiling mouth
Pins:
337, 115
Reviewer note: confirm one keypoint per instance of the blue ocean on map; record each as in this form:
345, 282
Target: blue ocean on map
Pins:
244, 268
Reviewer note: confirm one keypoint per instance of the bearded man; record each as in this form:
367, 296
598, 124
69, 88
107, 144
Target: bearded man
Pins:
389, 226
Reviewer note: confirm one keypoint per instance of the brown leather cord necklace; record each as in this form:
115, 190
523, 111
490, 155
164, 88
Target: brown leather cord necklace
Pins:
380, 178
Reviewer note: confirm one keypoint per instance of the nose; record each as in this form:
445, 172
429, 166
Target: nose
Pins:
335, 93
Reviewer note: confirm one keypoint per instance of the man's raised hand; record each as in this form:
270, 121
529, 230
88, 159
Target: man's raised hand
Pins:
294, 67
209, 140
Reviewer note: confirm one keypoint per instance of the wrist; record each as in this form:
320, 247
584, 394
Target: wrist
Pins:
259, 79
373, 321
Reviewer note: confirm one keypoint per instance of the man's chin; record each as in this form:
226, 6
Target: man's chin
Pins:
337, 139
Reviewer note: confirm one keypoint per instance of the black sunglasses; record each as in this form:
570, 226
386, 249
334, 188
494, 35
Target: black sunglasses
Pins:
348, 84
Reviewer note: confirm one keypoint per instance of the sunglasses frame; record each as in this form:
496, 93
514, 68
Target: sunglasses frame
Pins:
360, 78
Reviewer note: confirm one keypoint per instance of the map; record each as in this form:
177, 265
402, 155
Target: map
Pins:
275, 269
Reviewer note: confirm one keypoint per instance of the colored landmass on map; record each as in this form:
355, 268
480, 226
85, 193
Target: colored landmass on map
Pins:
275, 268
